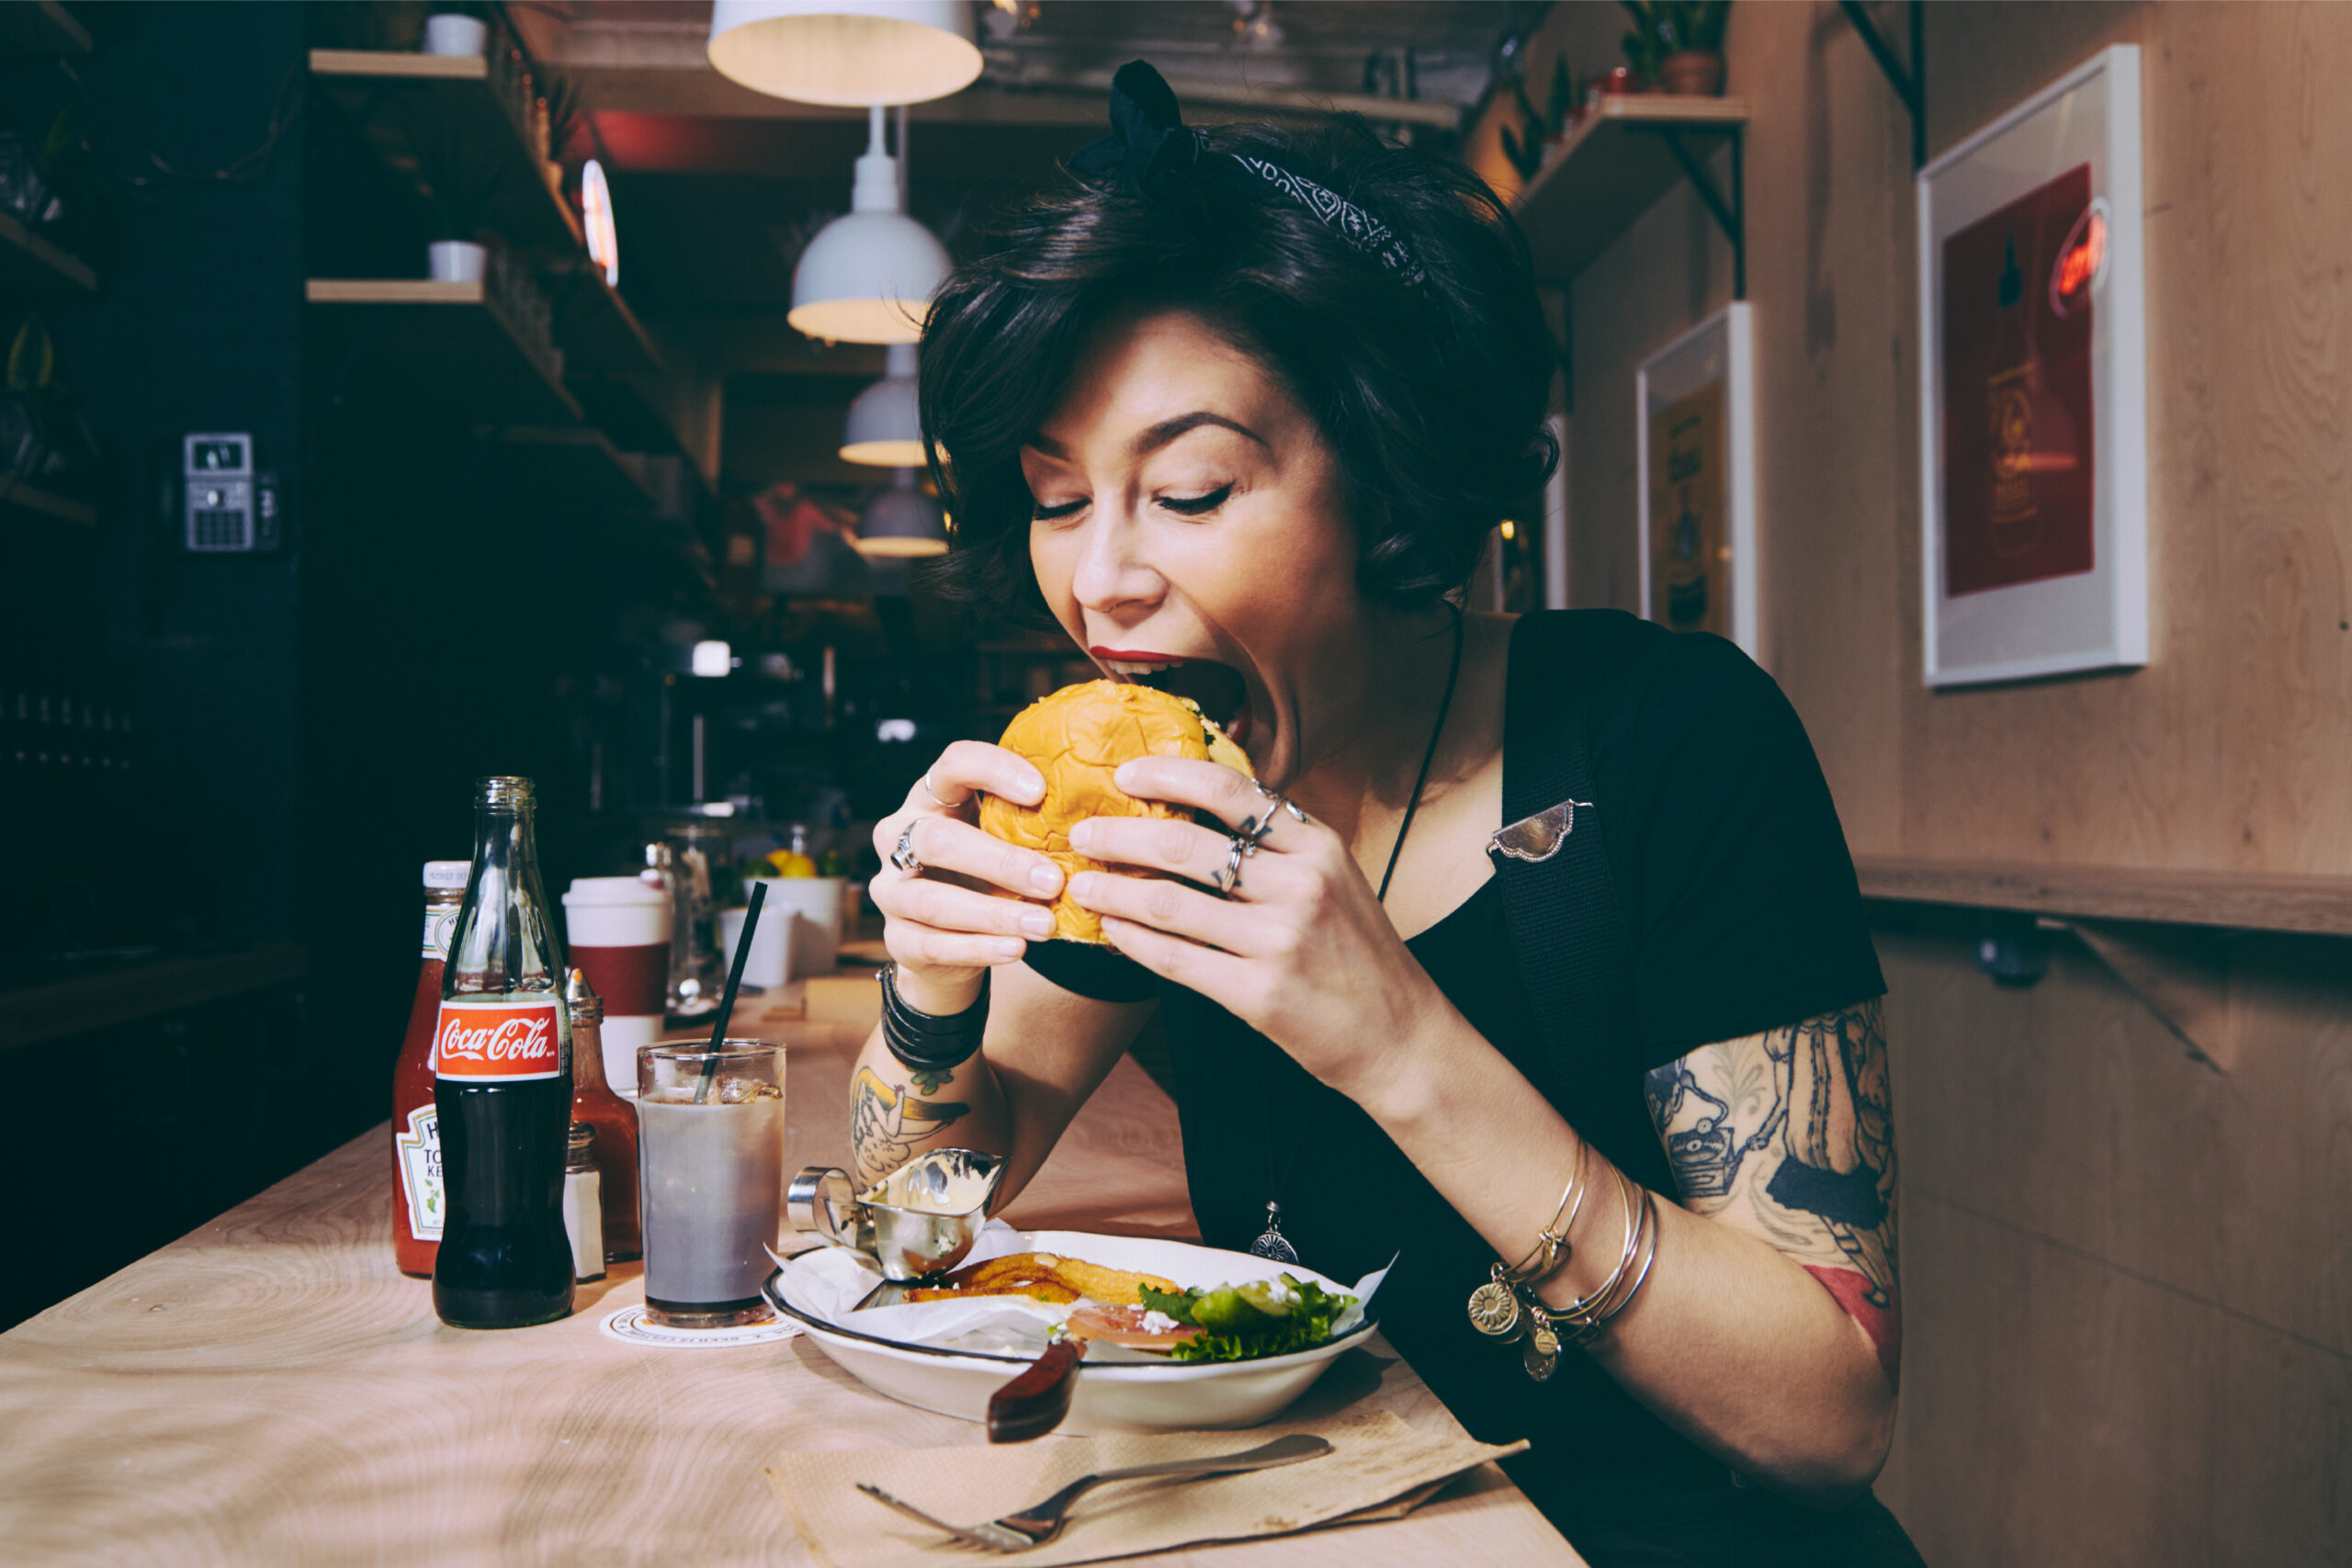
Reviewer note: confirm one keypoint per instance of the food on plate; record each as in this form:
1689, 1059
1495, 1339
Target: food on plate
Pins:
1136, 1327
1077, 737
1241, 1323
1032, 1273
1037, 1290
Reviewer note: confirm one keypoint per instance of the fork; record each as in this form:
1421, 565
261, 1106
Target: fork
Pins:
1040, 1522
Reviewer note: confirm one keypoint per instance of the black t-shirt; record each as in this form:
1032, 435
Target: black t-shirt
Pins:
1742, 913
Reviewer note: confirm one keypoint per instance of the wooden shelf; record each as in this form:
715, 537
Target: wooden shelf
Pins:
41, 27
598, 331
2229, 900
1613, 169
460, 351
94, 1002
31, 263
29, 498
624, 407
401, 100
574, 467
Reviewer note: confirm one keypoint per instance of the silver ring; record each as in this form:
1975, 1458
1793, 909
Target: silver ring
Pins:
1279, 798
1228, 881
903, 857
933, 793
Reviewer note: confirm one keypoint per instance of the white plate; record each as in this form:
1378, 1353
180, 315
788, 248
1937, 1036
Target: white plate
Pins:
1144, 1395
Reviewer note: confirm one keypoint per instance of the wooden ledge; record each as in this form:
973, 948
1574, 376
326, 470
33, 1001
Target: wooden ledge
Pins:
2226, 899
93, 1002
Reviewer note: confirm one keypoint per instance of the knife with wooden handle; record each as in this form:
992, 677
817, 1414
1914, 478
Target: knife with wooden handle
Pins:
1034, 1401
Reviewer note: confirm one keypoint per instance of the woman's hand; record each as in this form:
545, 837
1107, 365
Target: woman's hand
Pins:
942, 930
1301, 951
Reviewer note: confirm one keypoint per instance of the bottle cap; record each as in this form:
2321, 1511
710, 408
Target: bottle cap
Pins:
581, 998
447, 873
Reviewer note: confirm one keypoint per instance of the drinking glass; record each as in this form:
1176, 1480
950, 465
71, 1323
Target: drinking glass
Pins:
711, 1179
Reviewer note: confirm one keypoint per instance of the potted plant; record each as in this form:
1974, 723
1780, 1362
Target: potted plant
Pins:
1539, 134
457, 27
1677, 45
459, 182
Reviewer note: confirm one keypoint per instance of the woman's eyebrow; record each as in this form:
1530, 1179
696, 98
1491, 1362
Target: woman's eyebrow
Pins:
1167, 430
1159, 435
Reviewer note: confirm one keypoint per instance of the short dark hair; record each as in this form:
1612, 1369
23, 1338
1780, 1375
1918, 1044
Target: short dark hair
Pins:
1433, 398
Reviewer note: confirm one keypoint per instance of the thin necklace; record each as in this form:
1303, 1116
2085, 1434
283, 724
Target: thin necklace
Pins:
1271, 1244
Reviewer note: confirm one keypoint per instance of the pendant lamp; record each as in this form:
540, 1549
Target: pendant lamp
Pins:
884, 424
903, 521
868, 276
848, 53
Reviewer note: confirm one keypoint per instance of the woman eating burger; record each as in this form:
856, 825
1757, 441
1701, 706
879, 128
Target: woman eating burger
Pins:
1237, 409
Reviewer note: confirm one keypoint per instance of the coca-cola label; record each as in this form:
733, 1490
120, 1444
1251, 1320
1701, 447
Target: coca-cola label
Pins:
504, 1041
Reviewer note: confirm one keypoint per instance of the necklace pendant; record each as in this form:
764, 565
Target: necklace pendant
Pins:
1494, 1308
1272, 1244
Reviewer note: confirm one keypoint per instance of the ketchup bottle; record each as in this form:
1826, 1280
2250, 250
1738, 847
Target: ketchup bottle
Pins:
594, 1104
418, 1202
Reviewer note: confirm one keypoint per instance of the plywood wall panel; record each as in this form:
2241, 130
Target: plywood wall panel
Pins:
2127, 1289
2228, 752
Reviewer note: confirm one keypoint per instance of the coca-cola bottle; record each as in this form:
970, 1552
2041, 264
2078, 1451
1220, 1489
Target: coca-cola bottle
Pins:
418, 1205
502, 1064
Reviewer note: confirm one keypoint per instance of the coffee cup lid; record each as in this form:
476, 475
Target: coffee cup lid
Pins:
590, 890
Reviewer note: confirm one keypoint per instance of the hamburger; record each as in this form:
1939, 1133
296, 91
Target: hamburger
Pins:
1077, 737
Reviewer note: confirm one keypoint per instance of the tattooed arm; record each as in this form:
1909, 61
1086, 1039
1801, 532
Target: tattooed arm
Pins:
1045, 1052
1789, 1137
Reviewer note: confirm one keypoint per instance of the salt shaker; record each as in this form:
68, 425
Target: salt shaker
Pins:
583, 1203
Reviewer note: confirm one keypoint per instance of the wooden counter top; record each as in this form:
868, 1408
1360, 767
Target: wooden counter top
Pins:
270, 1390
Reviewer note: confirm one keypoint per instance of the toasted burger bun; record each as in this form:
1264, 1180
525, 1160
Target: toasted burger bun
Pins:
1077, 738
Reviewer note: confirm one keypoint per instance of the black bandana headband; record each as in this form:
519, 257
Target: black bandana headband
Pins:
1156, 150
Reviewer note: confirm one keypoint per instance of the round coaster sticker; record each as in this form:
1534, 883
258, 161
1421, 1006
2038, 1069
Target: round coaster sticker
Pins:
631, 1325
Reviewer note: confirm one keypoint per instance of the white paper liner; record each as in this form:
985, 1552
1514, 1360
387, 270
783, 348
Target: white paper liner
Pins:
827, 1282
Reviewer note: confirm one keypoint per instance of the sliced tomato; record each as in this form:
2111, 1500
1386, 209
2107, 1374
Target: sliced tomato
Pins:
1125, 1326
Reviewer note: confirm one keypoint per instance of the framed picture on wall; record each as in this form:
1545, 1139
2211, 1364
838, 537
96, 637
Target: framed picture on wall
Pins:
2033, 388
1695, 424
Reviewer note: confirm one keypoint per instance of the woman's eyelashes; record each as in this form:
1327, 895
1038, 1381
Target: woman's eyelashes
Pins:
1182, 505
1197, 505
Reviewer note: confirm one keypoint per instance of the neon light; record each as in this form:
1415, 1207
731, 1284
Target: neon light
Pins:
596, 218
2082, 260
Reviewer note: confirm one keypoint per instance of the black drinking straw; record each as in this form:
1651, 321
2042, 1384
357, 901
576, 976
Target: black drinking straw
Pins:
727, 998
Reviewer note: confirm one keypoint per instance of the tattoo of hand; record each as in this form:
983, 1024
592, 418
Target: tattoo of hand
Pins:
886, 1122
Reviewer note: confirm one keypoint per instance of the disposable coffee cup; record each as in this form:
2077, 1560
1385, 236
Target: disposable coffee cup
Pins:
769, 964
816, 934
618, 931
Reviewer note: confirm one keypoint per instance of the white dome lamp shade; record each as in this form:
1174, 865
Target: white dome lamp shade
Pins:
848, 53
902, 522
884, 424
868, 276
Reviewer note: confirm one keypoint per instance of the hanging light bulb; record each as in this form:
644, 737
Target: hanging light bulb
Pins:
903, 521
848, 53
884, 424
868, 276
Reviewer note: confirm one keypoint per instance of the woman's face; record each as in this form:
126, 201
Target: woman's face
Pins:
1190, 534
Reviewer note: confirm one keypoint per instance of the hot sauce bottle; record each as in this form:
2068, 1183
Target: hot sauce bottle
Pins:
418, 1202
594, 1104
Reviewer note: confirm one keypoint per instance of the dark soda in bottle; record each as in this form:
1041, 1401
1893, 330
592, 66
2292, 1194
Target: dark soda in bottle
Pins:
502, 1065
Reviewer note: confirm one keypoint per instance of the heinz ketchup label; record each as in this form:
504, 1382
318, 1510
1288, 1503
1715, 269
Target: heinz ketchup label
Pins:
503, 1040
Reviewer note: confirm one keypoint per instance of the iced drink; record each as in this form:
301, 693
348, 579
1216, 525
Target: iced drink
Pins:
712, 1179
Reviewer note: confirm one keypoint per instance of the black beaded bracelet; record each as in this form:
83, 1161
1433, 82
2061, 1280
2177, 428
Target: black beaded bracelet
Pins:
931, 1042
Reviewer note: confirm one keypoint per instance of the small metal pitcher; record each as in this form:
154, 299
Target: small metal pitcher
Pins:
919, 1222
